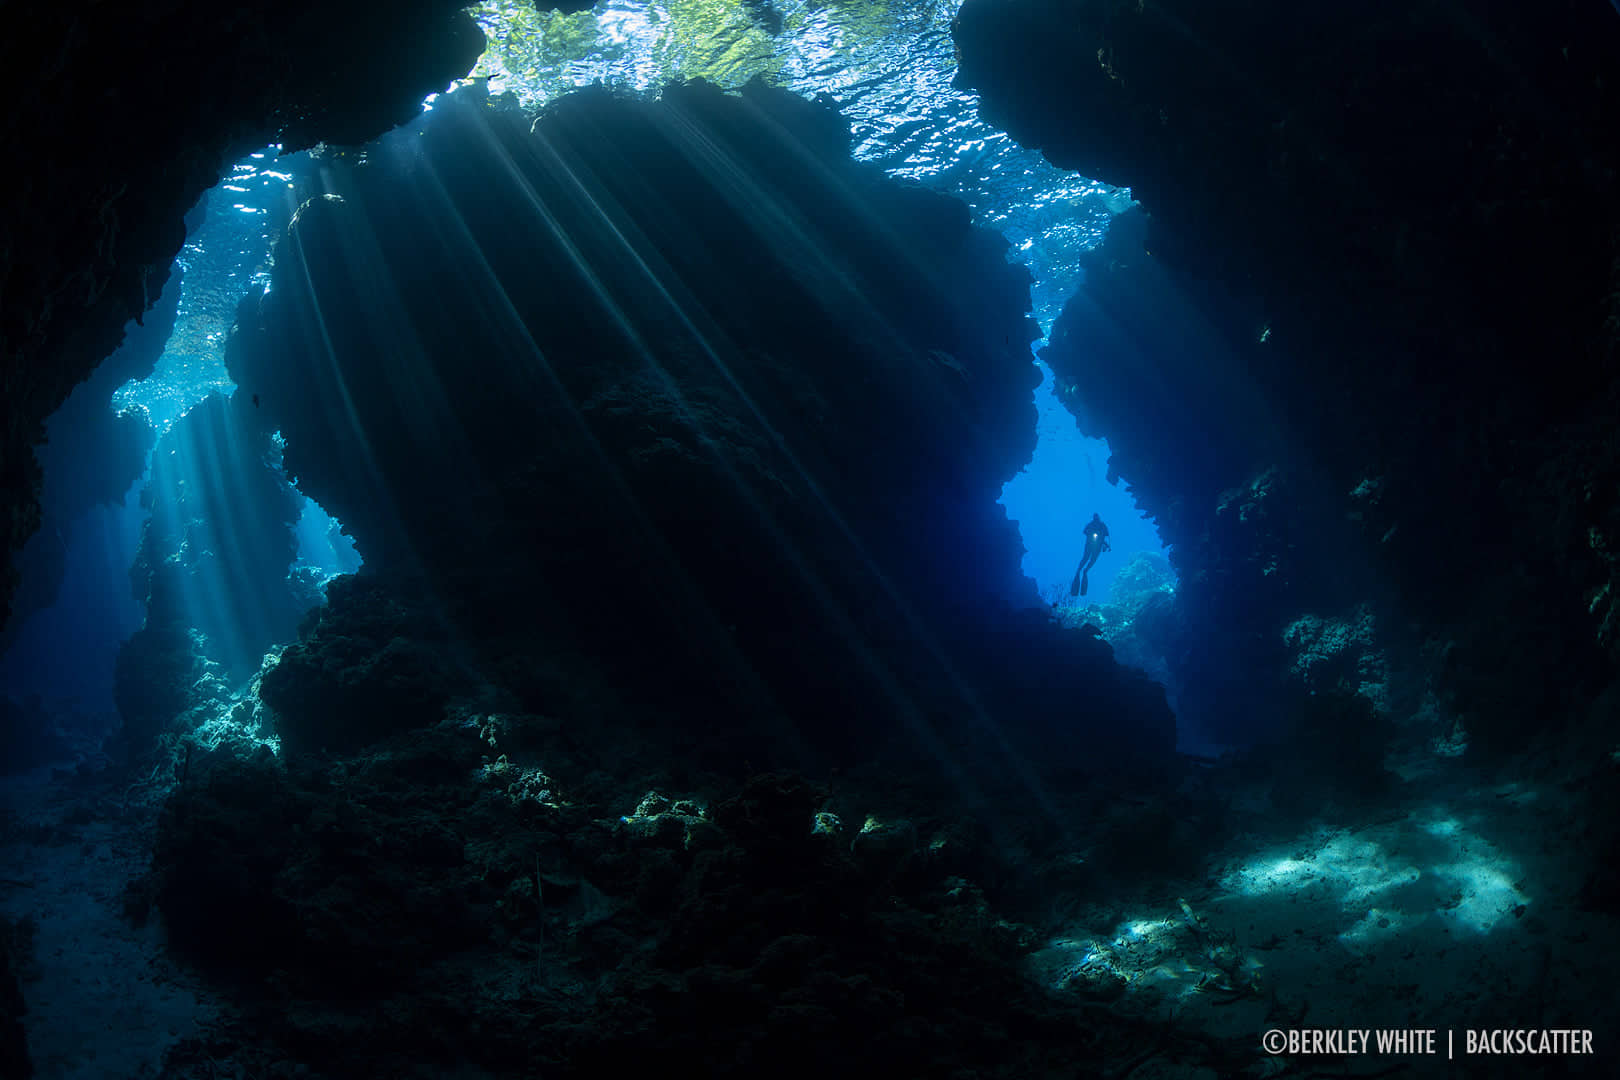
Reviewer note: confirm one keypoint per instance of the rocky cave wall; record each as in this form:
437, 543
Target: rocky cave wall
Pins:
118, 118
1402, 227
90, 456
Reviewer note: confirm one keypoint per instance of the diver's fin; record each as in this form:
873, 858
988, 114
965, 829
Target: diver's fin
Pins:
1074, 586
1084, 583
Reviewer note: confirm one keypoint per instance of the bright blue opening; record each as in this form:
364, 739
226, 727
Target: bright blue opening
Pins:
1054, 497
225, 256
323, 544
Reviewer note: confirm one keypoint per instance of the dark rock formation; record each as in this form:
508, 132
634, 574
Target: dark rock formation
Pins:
396, 913
15, 1064
298, 859
91, 456
162, 673
123, 115
378, 662
1401, 230
677, 386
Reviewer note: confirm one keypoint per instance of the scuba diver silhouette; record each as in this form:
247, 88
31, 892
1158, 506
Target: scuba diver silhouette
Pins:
1096, 544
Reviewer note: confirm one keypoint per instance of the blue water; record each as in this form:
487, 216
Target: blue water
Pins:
224, 256
1056, 495
322, 544
64, 654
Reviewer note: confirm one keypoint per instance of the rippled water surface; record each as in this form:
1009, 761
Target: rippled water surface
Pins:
888, 65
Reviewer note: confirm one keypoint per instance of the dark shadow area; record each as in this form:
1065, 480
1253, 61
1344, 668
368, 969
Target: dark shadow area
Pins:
681, 390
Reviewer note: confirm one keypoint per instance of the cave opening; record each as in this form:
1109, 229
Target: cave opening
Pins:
1069, 479
59, 654
1047, 215
226, 551
715, 451
227, 254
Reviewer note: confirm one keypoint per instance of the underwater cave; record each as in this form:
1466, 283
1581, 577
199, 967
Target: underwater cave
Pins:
942, 538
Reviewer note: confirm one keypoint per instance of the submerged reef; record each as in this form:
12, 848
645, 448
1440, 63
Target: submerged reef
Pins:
690, 706
491, 924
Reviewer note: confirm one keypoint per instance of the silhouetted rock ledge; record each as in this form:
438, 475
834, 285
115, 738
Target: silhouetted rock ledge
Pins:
1380, 276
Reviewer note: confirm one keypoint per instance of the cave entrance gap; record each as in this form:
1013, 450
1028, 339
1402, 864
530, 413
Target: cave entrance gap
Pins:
227, 253
1053, 498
